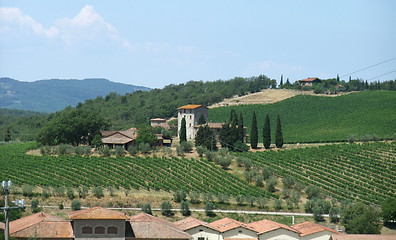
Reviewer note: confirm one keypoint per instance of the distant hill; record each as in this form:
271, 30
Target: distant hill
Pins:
54, 95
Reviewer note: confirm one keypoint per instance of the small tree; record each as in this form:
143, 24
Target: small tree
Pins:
146, 208
267, 132
46, 192
179, 196
183, 131
270, 184
312, 192
35, 206
278, 134
194, 197
166, 208
97, 141
209, 207
98, 192
27, 190
359, 218
389, 209
289, 181
76, 205
240, 199
70, 193
333, 215
253, 132
278, 204
317, 214
262, 202
184, 208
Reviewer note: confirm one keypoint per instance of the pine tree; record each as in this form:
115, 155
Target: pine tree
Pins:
267, 132
278, 135
183, 131
253, 132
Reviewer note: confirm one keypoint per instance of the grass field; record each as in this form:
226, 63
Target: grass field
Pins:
308, 118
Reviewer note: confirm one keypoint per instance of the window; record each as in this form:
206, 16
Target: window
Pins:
200, 230
201, 238
86, 230
190, 125
240, 231
184, 110
99, 230
190, 116
112, 230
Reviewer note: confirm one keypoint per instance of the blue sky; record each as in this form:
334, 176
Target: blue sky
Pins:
157, 43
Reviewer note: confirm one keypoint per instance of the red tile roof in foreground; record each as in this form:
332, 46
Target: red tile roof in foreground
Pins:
98, 213
266, 225
227, 224
148, 226
363, 237
191, 107
190, 222
308, 228
41, 225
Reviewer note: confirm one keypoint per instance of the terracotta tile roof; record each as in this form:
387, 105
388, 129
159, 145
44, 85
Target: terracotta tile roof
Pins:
308, 228
211, 125
227, 224
308, 80
266, 225
191, 106
240, 238
191, 222
157, 120
42, 224
363, 237
148, 226
107, 133
97, 213
117, 138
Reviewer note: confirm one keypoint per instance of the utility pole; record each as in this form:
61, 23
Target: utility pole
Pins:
20, 204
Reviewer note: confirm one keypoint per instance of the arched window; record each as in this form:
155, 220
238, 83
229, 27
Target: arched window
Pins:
99, 230
86, 230
112, 230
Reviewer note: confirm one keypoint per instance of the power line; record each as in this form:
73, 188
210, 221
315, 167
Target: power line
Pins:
370, 67
382, 75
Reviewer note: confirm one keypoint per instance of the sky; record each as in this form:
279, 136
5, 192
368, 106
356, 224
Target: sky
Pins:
157, 43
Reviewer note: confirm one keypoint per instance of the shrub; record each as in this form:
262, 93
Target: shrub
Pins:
223, 198
259, 180
270, 184
262, 202
333, 215
98, 192
146, 208
278, 204
247, 163
35, 206
210, 155
60, 191
46, 192
351, 138
166, 208
240, 199
76, 205
60, 206
105, 151
209, 207
184, 208
225, 161
133, 150
70, 193
240, 160
267, 172
289, 181
250, 200
317, 214
179, 196
119, 151
87, 150
186, 146
111, 190
207, 197
79, 150
194, 197
201, 150
83, 192
27, 190
312, 192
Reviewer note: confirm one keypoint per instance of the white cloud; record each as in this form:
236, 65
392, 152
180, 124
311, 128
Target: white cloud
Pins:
9, 15
86, 28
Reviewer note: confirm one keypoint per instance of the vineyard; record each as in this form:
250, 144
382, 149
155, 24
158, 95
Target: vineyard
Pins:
344, 171
308, 118
151, 173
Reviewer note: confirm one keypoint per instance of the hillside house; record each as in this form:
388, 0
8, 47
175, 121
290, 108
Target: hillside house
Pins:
191, 113
159, 122
309, 81
119, 138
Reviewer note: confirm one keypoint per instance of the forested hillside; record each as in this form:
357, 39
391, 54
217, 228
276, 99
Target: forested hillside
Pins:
54, 95
125, 111
305, 118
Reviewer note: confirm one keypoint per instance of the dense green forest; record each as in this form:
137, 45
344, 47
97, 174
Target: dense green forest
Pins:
125, 111
307, 118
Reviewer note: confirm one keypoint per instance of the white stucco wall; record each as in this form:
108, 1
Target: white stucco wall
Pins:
323, 235
239, 232
279, 234
202, 231
192, 116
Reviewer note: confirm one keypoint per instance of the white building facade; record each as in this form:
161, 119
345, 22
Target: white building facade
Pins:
191, 113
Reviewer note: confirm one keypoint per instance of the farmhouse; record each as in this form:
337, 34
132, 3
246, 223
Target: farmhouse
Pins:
309, 81
191, 113
119, 138
312, 231
96, 223
159, 122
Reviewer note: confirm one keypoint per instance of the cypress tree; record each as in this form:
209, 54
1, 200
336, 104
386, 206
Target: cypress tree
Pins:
253, 132
267, 132
281, 81
183, 131
240, 127
279, 135
338, 78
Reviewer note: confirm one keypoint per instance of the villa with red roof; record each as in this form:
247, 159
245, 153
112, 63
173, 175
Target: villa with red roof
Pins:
191, 113
309, 81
